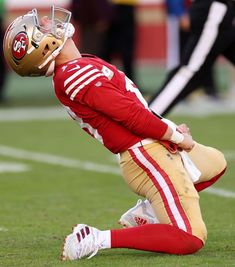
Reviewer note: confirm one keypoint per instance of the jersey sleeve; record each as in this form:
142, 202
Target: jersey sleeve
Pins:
79, 78
108, 100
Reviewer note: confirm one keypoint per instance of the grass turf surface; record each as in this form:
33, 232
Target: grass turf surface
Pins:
39, 207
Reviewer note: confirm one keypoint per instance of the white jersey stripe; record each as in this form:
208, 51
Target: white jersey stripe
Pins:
164, 187
92, 78
181, 78
76, 74
94, 132
78, 81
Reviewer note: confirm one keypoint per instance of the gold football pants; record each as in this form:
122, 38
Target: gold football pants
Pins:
153, 172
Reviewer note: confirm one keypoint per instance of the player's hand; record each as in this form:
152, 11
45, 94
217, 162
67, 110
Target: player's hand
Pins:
179, 135
188, 143
183, 128
185, 23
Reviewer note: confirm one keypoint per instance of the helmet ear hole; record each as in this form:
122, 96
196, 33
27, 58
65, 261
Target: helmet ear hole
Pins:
45, 50
48, 48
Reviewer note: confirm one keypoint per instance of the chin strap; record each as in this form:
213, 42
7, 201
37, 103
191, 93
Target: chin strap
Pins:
50, 69
68, 34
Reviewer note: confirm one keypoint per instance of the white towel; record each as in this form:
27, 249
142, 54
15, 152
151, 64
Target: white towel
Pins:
190, 167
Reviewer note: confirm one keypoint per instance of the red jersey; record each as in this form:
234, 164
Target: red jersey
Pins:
105, 103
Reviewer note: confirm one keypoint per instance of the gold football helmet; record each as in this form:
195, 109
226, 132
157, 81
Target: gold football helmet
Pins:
30, 47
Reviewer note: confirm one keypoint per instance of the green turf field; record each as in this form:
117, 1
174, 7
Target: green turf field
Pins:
66, 183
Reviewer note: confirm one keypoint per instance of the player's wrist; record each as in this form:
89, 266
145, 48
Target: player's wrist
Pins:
176, 137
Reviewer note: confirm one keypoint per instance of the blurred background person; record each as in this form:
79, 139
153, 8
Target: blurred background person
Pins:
121, 37
2, 62
92, 18
178, 31
212, 33
177, 28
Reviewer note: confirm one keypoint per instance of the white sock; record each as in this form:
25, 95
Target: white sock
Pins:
104, 239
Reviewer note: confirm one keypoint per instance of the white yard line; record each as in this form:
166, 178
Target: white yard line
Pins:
85, 165
220, 192
229, 154
3, 229
56, 160
202, 107
28, 114
13, 167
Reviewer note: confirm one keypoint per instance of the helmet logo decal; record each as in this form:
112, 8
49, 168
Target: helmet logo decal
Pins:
20, 45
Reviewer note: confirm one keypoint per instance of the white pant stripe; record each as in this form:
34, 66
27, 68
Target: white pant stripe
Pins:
163, 185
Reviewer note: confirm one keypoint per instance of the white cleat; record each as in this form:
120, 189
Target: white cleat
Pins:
83, 242
139, 215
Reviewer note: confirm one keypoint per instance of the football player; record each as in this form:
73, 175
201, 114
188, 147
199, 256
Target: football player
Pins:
159, 160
